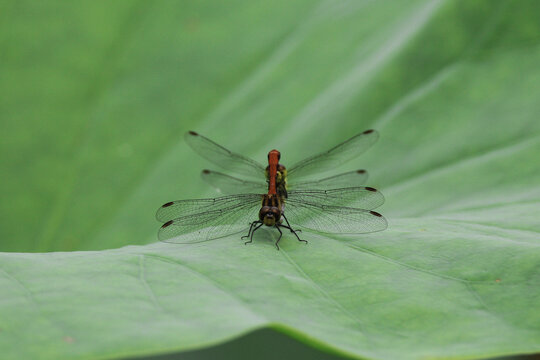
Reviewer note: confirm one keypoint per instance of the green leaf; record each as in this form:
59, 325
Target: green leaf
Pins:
95, 98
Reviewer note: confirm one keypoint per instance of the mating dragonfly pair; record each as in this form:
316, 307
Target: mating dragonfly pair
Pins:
335, 204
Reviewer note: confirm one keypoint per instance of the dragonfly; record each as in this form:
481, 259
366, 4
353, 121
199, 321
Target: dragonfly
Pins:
342, 210
253, 177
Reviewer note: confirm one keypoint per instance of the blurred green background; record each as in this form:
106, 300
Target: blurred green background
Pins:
95, 97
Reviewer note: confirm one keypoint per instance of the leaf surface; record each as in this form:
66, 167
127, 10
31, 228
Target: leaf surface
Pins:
94, 146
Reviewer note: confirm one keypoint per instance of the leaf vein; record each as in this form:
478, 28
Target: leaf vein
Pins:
212, 282
148, 288
408, 266
324, 292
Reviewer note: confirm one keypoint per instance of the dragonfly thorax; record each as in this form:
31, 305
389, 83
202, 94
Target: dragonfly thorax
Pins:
281, 179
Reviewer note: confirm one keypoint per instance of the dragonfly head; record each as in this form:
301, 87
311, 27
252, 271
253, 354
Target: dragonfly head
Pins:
269, 215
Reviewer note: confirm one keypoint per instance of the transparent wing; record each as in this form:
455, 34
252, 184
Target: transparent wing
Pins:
212, 223
230, 185
334, 219
347, 150
222, 157
348, 179
355, 197
180, 208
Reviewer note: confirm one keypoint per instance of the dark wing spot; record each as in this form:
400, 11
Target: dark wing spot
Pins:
370, 189
371, 212
193, 133
206, 171
361, 171
170, 222
368, 131
168, 204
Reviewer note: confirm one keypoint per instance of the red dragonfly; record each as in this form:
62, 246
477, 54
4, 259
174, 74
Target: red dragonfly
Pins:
342, 210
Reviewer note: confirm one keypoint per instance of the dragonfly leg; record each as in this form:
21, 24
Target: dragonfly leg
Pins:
250, 228
294, 232
253, 231
288, 226
280, 235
